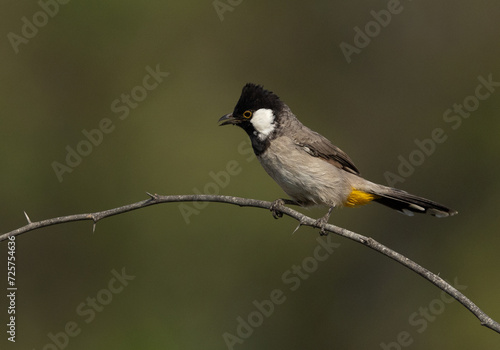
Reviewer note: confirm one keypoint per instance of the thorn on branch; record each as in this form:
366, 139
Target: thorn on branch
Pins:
297, 228
153, 196
94, 219
27, 218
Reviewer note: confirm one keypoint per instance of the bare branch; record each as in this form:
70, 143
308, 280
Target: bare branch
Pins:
303, 220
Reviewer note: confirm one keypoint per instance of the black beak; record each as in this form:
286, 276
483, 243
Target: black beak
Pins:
228, 119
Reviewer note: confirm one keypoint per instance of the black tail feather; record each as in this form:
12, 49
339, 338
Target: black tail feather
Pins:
408, 204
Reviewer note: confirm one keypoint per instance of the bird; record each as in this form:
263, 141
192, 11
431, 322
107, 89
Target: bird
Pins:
307, 166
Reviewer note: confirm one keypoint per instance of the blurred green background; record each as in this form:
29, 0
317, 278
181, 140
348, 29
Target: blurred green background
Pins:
193, 280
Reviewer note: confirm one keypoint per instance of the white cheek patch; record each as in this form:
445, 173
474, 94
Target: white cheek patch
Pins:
263, 122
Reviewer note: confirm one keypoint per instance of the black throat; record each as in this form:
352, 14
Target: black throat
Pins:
259, 146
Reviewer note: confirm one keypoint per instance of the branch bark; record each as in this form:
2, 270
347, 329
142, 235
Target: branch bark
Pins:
303, 220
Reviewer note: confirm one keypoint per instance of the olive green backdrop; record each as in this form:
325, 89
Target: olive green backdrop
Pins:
199, 276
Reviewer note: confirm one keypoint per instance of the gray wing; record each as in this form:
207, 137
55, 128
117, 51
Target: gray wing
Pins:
319, 146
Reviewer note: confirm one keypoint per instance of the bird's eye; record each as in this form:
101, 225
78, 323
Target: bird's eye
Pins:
247, 114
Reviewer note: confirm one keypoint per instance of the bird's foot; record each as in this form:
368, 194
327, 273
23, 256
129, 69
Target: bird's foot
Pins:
277, 208
278, 205
322, 222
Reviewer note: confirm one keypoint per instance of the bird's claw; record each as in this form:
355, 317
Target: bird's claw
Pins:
321, 223
277, 208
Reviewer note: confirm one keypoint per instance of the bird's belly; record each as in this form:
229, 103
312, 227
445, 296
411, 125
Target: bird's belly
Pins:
306, 179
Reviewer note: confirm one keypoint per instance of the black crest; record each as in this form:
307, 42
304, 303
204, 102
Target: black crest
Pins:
254, 97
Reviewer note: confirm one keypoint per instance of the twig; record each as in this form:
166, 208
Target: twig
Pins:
303, 220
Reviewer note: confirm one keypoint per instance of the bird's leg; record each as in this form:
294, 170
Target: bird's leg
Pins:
321, 222
277, 207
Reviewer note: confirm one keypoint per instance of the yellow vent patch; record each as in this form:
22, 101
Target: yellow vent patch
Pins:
357, 198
